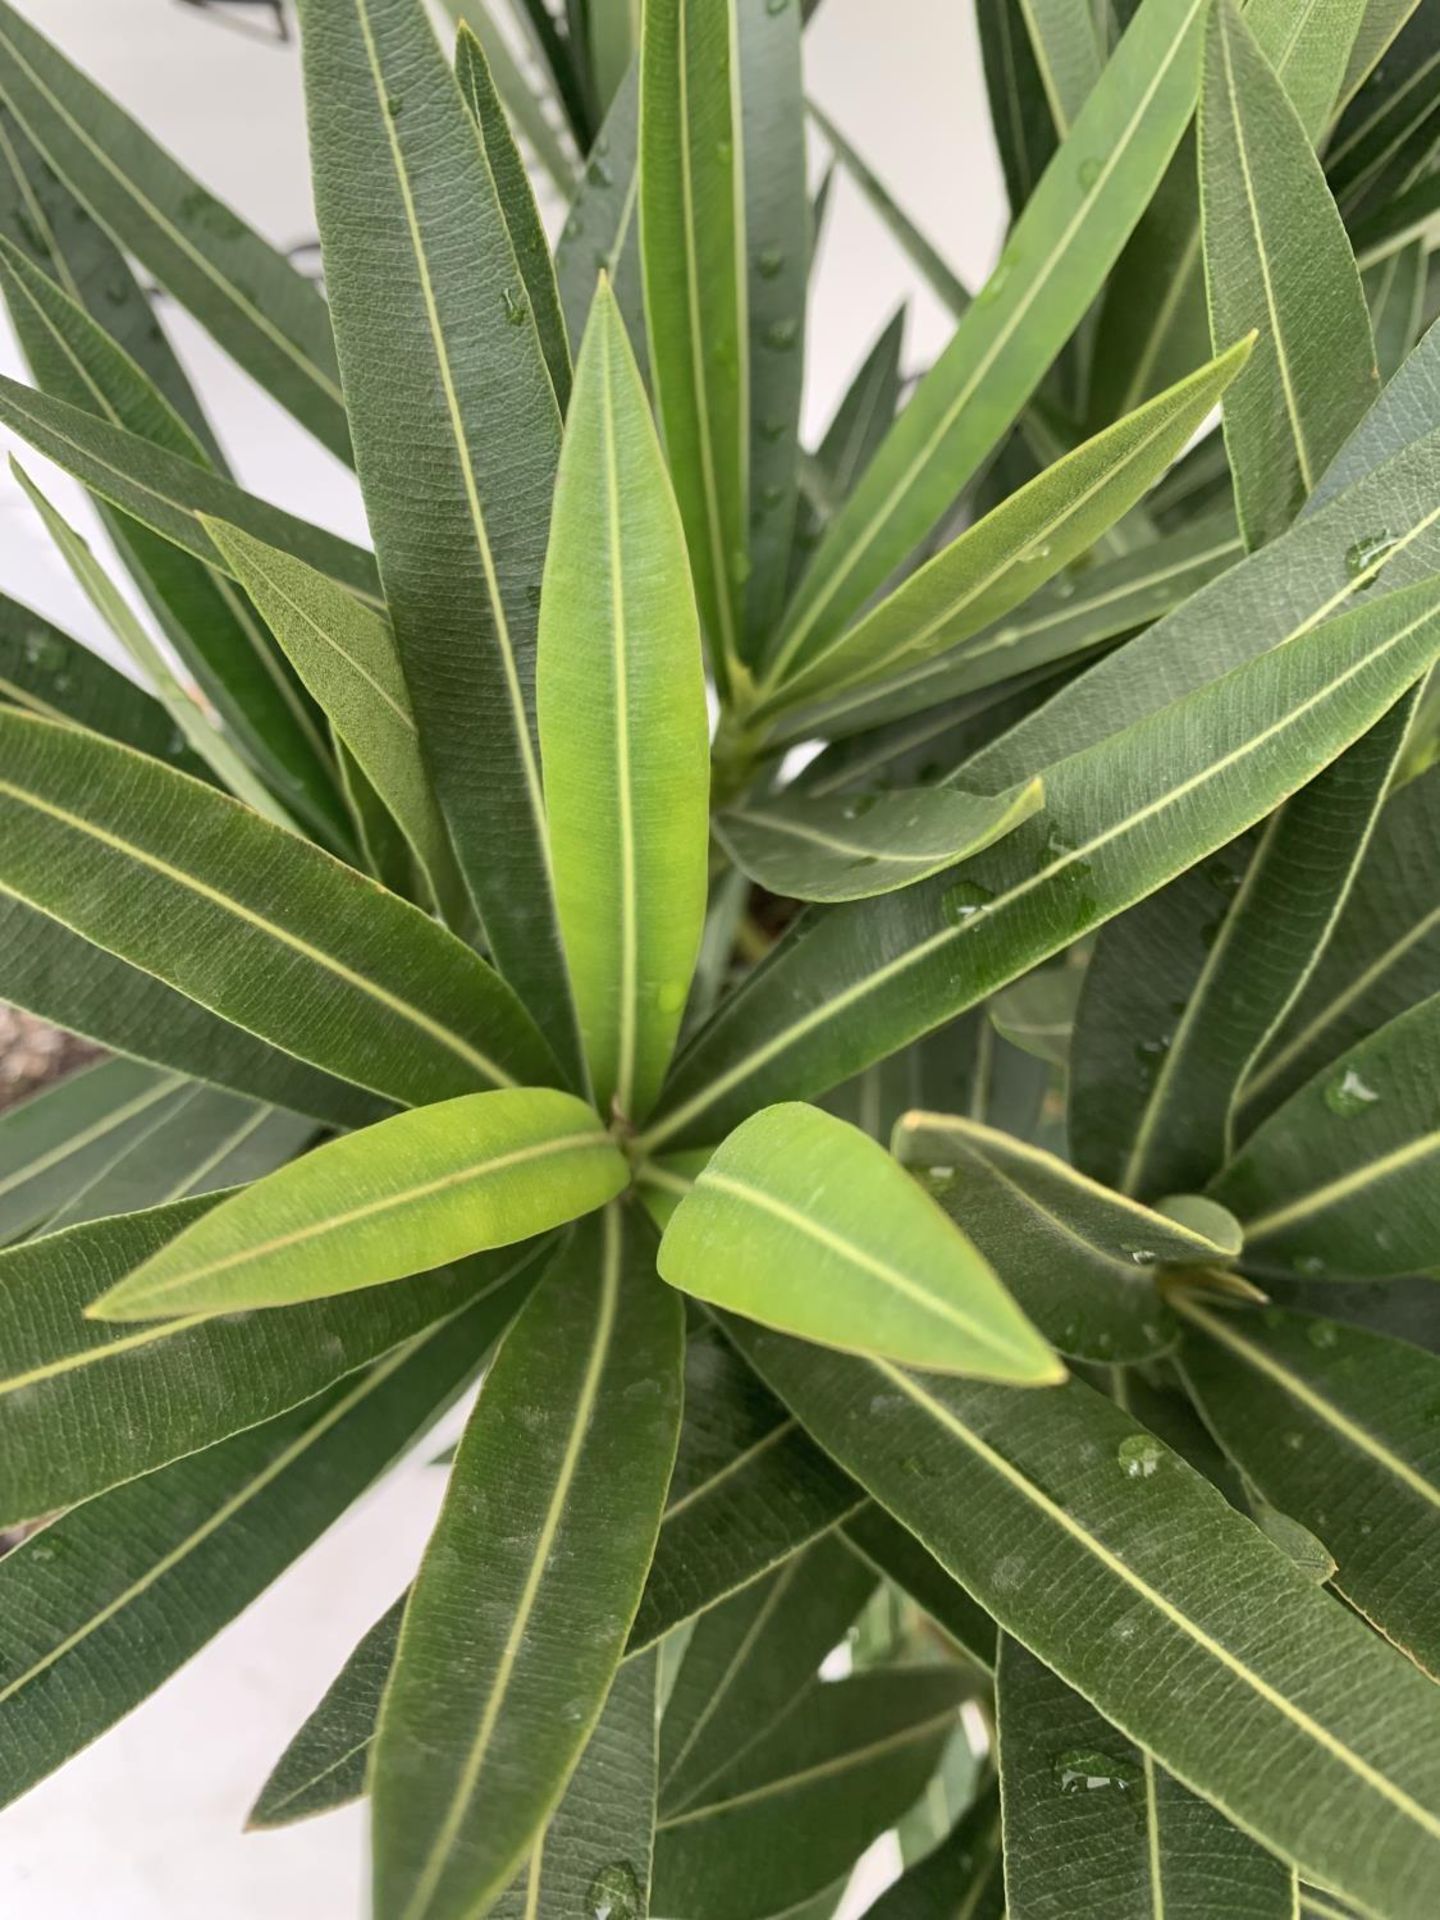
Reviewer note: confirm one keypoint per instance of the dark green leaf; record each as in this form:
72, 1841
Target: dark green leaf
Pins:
961, 1879
894, 1551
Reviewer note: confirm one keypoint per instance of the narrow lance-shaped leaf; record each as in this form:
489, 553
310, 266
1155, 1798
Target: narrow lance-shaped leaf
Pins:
254, 302
794, 1810
524, 101
1054, 264
106, 1602
1081, 1260
1020, 114
775, 239
403, 1196
602, 229
833, 847
624, 733
1382, 958
1093, 1827
542, 1544
1014, 549
1356, 1459
345, 654
801, 1221
1279, 1706
517, 203
894, 1551
205, 740
74, 358
1121, 818
85, 1404
456, 444
1342, 1176
1276, 258
1067, 53
963, 1876
1153, 1091
251, 921
692, 243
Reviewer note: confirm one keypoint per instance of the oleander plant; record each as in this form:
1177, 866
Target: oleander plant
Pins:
882, 998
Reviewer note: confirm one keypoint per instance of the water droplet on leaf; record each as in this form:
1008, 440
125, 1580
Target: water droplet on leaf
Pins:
1087, 1770
614, 1893
1367, 553
515, 308
961, 902
1139, 1455
1348, 1094
769, 262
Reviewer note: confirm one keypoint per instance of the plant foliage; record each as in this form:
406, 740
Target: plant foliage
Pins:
968, 1194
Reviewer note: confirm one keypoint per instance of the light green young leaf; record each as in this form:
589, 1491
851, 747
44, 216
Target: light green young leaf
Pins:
833, 847
749, 1490
1094, 1828
624, 733
802, 1222
253, 301
1081, 1260
415, 239
1014, 549
58, 1139
345, 654
1383, 957
1121, 818
1185, 989
776, 244
1276, 259
1278, 1704
749, 1657
251, 921
795, 1809
408, 1194
106, 1602
1356, 1460
517, 203
1342, 1176
518, 1618
692, 241
1054, 264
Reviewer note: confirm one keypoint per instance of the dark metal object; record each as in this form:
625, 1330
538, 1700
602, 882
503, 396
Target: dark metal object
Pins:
224, 12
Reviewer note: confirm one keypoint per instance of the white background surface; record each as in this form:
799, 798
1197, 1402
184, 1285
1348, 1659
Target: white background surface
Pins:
146, 1825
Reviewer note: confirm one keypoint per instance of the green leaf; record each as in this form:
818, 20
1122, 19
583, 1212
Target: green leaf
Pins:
324, 1765
614, 37
1382, 21
1013, 550
1277, 259
58, 1139
691, 241
894, 1551
1382, 958
1037, 1013
519, 1615
206, 742
106, 1602
776, 244
216, 635
749, 1489
1076, 613
251, 921
837, 847
1152, 1094
517, 203
416, 243
59, 977
167, 492
1067, 54
1384, 142
624, 733
1020, 116
1278, 1705
197, 1142
1395, 294
524, 102
1353, 1413
1054, 264
1121, 818
961, 1879
85, 1404
406, 1195
1093, 1827
345, 654
594, 1854
794, 1809
748, 1658
1309, 48
249, 297
802, 1222
1342, 1176
1080, 1259
602, 231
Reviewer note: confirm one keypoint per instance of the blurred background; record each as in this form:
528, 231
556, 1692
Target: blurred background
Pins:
147, 1825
